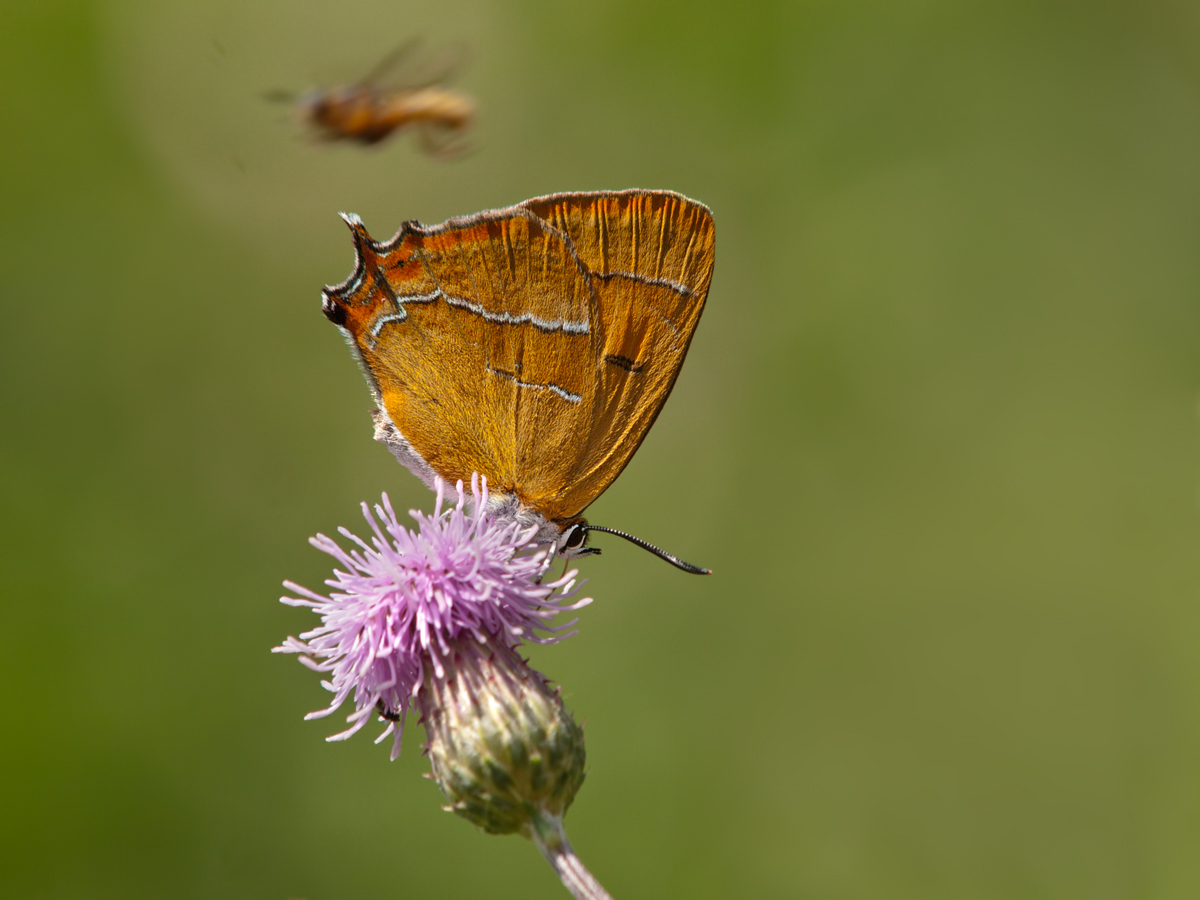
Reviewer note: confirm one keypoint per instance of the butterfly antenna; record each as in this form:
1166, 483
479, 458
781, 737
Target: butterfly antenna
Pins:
660, 553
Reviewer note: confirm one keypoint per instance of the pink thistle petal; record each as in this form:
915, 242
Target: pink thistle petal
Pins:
401, 599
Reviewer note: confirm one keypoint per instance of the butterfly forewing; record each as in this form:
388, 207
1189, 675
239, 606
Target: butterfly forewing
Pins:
534, 344
650, 257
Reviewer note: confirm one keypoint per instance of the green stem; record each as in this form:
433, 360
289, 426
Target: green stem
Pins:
550, 838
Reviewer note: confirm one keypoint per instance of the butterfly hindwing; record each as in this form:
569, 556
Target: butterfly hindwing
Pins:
534, 344
650, 258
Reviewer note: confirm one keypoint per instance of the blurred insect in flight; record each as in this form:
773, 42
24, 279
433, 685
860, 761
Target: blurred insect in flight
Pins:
369, 111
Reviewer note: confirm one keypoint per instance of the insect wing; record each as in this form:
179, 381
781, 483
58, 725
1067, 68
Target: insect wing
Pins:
649, 255
534, 344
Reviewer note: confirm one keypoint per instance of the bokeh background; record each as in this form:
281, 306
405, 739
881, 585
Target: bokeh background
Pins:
937, 435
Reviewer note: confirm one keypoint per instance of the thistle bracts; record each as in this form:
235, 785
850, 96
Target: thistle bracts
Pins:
505, 751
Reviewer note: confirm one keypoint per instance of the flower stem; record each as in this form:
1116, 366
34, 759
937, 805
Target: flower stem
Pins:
548, 834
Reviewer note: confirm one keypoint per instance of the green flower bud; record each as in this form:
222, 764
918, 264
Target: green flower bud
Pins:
505, 751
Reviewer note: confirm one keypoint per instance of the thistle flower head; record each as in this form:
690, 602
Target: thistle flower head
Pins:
504, 748
401, 603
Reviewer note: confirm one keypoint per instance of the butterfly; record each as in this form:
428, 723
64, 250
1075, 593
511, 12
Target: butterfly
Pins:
534, 345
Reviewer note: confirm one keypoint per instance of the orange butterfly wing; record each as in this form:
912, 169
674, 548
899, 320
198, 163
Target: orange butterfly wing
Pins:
534, 344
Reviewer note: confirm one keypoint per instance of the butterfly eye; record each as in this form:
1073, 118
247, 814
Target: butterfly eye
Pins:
572, 542
575, 538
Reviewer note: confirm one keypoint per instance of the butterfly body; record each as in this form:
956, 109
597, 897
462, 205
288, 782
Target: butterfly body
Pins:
534, 344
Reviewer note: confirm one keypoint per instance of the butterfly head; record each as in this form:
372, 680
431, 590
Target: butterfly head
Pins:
573, 540
568, 537
573, 543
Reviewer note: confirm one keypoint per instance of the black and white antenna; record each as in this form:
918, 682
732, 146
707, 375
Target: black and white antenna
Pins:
645, 545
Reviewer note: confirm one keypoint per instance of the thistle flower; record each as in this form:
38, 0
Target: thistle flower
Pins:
433, 619
401, 602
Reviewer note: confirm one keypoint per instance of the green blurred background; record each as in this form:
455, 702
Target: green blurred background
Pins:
937, 435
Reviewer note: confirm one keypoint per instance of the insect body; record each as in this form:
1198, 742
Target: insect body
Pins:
385, 713
368, 114
373, 109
